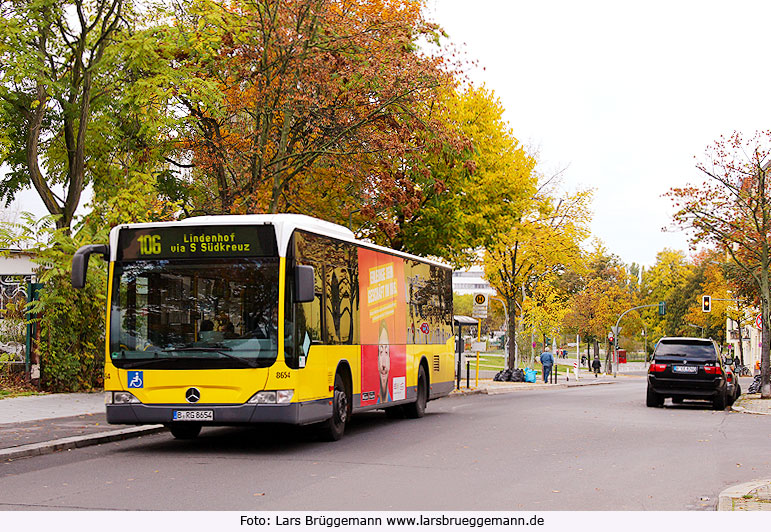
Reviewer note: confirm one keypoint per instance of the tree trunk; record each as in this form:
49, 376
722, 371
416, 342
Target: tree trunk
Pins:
512, 333
765, 340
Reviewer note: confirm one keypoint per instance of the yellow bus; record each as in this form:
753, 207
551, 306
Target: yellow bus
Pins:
233, 320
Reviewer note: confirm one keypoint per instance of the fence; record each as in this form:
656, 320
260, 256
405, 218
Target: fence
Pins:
13, 327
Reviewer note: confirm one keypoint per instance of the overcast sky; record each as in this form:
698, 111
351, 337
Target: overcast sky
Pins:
622, 94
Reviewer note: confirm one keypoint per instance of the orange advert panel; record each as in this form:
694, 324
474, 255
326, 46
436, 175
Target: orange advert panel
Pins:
383, 327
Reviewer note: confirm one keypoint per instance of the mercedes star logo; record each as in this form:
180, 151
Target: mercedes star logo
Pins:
192, 395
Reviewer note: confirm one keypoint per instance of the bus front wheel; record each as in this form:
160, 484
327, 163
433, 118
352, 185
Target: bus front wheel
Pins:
333, 428
418, 408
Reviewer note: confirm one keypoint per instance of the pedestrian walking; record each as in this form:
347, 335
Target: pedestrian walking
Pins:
583, 359
596, 365
547, 361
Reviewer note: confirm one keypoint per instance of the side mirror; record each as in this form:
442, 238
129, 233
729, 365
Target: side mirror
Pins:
304, 284
80, 262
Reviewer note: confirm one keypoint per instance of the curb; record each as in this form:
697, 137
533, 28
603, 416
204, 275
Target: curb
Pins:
513, 389
726, 497
36, 449
744, 410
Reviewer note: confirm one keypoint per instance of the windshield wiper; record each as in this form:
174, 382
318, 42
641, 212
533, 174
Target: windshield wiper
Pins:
219, 350
153, 361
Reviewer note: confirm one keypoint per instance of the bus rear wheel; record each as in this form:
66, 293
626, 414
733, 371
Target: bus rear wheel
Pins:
334, 428
418, 408
185, 431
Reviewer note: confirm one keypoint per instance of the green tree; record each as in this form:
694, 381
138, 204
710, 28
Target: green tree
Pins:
55, 69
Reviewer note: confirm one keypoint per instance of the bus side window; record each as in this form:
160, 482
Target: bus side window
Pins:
309, 314
341, 306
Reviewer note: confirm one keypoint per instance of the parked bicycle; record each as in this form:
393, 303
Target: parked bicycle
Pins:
742, 371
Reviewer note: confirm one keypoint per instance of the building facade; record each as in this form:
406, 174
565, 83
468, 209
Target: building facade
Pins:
470, 281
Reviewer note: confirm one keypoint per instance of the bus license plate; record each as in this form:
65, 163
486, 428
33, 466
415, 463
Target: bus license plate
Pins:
685, 369
193, 415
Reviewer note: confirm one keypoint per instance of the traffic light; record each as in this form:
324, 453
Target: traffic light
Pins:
662, 308
706, 303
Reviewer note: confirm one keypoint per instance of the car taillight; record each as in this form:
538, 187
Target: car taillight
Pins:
656, 368
713, 370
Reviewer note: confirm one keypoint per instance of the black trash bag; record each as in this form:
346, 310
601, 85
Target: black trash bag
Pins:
503, 376
518, 375
755, 386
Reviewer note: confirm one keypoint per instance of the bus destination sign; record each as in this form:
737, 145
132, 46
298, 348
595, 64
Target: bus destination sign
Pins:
197, 241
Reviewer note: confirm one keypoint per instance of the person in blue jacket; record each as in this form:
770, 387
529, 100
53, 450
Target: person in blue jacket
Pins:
547, 360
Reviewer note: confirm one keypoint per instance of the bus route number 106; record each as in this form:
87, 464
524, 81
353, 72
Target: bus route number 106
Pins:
149, 244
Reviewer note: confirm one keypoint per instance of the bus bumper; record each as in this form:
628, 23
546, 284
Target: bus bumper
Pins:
243, 414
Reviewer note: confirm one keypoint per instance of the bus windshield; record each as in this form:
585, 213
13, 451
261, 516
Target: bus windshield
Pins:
195, 314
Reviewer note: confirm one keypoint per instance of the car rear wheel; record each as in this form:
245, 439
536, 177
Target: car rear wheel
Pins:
737, 392
653, 399
719, 402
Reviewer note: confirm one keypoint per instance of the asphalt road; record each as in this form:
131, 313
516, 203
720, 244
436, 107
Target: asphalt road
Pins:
589, 448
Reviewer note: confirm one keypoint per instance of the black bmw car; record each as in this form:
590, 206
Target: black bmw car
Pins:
690, 368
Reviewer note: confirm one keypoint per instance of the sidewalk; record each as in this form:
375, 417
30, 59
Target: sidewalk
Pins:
750, 496
42, 424
491, 387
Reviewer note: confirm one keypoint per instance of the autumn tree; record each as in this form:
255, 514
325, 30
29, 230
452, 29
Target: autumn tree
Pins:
708, 278
731, 210
450, 202
604, 295
544, 241
285, 95
545, 309
667, 280
54, 71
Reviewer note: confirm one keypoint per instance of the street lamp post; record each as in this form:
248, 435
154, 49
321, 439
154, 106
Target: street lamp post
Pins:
617, 330
697, 327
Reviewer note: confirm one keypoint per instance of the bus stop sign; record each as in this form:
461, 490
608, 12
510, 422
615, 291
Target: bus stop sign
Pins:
480, 306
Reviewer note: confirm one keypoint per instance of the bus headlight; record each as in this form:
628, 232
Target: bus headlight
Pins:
272, 397
120, 398
284, 396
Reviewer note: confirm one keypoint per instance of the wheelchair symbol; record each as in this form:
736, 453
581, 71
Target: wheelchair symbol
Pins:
135, 379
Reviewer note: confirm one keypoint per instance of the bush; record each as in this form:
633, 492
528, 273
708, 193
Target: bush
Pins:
71, 322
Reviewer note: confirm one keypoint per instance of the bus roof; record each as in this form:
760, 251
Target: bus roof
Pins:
285, 225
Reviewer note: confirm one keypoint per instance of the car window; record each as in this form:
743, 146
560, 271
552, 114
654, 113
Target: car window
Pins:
686, 349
